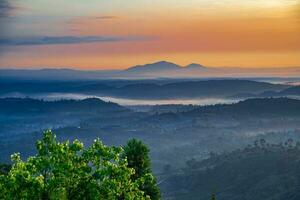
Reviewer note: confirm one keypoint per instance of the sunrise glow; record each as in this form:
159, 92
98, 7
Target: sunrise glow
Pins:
118, 34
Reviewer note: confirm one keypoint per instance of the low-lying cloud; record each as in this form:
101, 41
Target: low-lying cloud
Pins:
55, 40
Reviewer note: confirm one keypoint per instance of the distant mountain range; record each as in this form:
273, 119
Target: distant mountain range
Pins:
288, 92
161, 69
145, 90
166, 69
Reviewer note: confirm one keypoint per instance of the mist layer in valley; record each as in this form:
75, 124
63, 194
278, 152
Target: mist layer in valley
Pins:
180, 120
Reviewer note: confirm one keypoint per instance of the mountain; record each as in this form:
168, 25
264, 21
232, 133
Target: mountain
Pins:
168, 69
161, 69
162, 66
195, 66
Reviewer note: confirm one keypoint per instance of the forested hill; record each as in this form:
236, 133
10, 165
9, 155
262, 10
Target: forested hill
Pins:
144, 89
208, 88
260, 171
28, 105
249, 110
254, 107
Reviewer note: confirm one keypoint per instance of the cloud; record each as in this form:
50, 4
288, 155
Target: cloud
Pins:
297, 10
106, 17
5, 8
83, 20
46, 40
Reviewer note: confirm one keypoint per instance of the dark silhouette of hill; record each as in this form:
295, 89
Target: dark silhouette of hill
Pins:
145, 90
32, 87
195, 66
34, 106
169, 69
161, 66
290, 91
255, 108
56, 74
243, 113
295, 90
191, 89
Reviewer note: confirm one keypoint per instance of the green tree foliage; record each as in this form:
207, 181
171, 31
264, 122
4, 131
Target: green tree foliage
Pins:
138, 158
213, 196
4, 168
70, 171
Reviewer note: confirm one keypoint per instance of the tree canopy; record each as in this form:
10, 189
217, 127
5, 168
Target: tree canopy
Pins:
137, 154
67, 170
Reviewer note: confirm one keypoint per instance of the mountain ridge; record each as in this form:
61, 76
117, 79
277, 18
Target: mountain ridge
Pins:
160, 69
164, 66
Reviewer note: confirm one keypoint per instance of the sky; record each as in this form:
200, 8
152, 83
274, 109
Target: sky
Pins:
117, 34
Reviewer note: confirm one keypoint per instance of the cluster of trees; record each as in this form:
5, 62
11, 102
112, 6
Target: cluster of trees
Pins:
64, 170
259, 171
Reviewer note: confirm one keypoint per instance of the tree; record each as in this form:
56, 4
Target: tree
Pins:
69, 171
137, 155
4, 169
213, 196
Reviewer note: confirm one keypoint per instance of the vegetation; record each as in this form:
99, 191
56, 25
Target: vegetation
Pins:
261, 171
213, 196
4, 169
138, 158
64, 170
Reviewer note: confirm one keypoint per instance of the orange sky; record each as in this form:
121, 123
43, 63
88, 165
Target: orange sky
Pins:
263, 33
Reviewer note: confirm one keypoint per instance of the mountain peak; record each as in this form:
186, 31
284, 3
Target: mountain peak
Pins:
163, 62
194, 66
155, 67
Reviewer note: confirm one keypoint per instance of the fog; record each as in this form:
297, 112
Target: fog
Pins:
126, 101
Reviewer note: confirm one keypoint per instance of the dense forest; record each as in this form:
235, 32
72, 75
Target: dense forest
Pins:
259, 171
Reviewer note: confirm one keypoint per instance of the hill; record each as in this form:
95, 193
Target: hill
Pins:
258, 107
261, 171
31, 106
292, 91
179, 89
194, 89
295, 90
